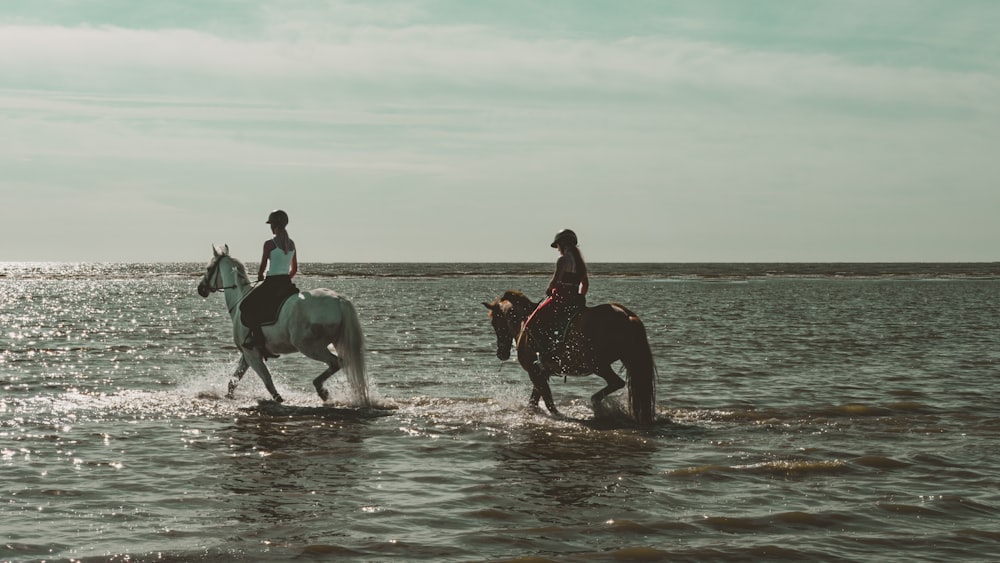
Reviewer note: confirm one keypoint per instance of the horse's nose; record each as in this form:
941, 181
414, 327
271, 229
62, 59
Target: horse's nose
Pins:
202, 290
503, 355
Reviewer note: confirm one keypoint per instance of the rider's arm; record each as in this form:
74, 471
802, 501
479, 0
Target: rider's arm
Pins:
295, 265
560, 265
263, 260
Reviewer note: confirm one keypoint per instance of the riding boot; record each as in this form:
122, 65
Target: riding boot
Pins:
548, 358
549, 362
255, 339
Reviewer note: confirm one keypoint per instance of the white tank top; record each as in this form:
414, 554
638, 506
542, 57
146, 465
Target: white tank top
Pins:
279, 262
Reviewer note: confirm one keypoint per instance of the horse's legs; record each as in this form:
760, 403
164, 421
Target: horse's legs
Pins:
319, 381
541, 390
614, 383
241, 369
316, 349
255, 360
535, 397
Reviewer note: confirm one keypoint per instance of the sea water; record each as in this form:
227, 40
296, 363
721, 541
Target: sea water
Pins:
805, 412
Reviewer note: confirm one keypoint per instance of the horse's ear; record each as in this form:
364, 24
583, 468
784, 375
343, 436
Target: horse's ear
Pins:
220, 250
490, 306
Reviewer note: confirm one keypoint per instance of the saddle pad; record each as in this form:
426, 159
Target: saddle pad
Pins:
263, 305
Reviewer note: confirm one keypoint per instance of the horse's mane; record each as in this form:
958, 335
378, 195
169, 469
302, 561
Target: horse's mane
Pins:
516, 299
241, 270
513, 295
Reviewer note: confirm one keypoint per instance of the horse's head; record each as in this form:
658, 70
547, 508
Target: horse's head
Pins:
498, 316
507, 314
212, 280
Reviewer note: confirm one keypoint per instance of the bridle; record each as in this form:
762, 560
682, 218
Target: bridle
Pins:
511, 336
212, 273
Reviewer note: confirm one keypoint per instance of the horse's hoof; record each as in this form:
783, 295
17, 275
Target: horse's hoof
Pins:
278, 399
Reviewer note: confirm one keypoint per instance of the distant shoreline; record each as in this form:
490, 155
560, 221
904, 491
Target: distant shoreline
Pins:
677, 271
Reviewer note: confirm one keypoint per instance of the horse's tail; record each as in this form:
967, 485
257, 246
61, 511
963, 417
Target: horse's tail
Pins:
350, 347
641, 371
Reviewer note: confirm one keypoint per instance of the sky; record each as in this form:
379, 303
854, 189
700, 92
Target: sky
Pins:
458, 131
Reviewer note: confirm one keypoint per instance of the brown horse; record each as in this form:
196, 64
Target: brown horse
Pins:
595, 338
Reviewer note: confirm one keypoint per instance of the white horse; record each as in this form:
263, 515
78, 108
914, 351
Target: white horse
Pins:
309, 322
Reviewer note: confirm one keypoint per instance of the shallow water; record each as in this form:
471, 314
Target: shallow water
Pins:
834, 412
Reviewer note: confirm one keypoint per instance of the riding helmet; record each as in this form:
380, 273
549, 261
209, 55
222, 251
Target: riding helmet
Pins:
565, 237
278, 218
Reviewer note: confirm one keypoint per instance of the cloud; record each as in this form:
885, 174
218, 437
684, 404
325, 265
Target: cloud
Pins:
405, 117
450, 61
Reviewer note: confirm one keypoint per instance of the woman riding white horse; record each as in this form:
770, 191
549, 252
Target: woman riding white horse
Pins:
280, 261
309, 322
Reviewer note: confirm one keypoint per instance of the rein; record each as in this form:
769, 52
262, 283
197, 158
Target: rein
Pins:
213, 273
522, 334
223, 288
239, 302
525, 333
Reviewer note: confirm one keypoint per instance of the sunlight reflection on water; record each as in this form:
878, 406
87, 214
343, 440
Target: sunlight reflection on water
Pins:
851, 415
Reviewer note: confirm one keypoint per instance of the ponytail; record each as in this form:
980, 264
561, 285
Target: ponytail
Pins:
284, 242
578, 258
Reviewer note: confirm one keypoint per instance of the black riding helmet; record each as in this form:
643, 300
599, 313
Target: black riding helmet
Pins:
565, 237
278, 218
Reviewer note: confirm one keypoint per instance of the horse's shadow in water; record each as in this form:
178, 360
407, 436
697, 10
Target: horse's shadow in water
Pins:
267, 407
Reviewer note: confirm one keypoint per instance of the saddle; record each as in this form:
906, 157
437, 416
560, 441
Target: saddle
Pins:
263, 305
554, 327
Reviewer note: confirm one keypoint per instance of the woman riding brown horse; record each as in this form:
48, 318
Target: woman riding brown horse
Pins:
596, 338
566, 293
